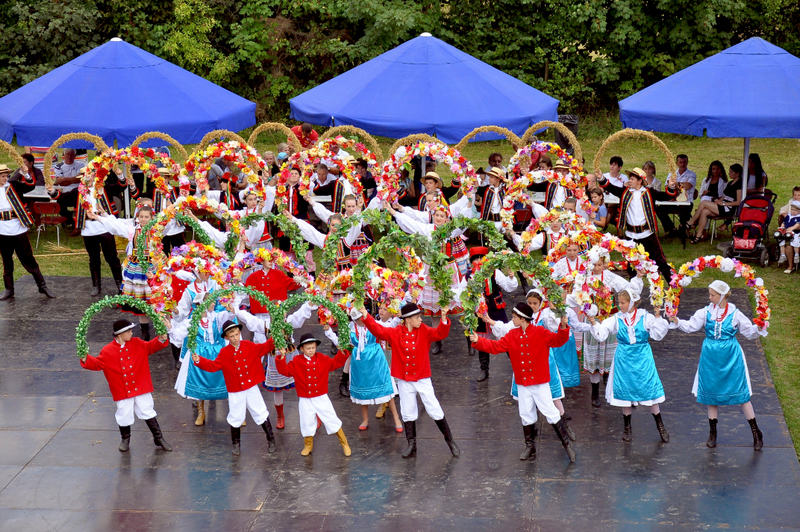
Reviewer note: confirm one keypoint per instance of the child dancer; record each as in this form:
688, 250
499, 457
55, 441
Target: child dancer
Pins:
527, 347
386, 319
633, 378
310, 372
370, 381
240, 363
722, 377
134, 275
259, 324
126, 366
411, 366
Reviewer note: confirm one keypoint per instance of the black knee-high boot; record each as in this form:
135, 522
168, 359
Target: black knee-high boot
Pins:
712, 434
158, 438
627, 433
662, 431
448, 436
411, 436
758, 436
561, 432
530, 446
236, 441
125, 443
267, 426
145, 331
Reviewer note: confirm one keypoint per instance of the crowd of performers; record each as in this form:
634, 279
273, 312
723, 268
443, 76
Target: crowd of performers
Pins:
390, 354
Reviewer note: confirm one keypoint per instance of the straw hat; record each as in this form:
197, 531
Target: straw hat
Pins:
435, 177
560, 165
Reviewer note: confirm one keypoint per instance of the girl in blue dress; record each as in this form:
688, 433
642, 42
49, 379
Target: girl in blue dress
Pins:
371, 382
722, 377
633, 379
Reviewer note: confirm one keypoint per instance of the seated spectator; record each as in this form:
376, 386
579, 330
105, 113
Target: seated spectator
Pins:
790, 238
272, 168
786, 209
757, 177
366, 178
722, 207
306, 134
615, 175
67, 181
285, 148
28, 174
599, 218
713, 186
687, 180
496, 161
591, 182
650, 179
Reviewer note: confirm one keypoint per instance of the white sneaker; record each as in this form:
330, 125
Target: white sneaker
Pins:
782, 259
787, 271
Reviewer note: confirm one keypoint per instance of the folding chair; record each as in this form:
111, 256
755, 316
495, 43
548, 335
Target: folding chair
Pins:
49, 214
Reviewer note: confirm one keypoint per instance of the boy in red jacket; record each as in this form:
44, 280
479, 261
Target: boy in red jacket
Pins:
126, 366
310, 371
240, 363
411, 366
528, 347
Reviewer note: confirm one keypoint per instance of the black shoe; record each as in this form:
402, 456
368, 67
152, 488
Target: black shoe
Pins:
176, 354
95, 290
267, 426
596, 394
712, 434
344, 385
145, 327
125, 443
444, 428
46, 291
436, 348
605, 379
158, 438
530, 446
7, 294
561, 432
627, 433
758, 436
236, 439
483, 375
660, 426
96, 284
411, 436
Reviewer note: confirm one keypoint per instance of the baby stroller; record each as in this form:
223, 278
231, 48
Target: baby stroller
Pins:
752, 220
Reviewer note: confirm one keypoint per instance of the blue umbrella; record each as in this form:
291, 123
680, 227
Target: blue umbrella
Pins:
425, 86
749, 90
118, 91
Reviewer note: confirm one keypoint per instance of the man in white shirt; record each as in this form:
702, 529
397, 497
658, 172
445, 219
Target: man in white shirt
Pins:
687, 180
14, 223
67, 181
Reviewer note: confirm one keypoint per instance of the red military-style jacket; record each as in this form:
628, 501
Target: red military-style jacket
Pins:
242, 368
410, 349
311, 375
274, 284
126, 367
529, 351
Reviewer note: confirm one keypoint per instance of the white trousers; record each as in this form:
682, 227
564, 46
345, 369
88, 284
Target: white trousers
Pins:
408, 399
533, 397
310, 408
141, 405
240, 402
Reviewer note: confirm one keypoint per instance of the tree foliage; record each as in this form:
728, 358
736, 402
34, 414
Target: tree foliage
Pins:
587, 53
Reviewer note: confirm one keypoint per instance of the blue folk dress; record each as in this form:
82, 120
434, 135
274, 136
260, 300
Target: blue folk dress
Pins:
370, 380
633, 379
722, 376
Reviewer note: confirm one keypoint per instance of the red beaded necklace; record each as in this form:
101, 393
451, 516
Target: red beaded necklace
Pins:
723, 314
633, 319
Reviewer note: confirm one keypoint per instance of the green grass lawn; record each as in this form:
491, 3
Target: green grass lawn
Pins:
781, 159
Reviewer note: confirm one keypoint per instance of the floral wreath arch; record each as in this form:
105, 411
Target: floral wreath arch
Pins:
245, 157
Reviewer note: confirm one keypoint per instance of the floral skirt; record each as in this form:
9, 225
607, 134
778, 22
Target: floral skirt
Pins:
134, 284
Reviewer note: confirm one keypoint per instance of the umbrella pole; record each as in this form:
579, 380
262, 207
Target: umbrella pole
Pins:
745, 167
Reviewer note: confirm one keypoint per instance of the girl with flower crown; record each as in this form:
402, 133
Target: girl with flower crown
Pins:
454, 247
722, 377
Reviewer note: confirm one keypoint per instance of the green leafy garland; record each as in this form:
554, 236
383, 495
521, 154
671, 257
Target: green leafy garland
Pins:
110, 301
393, 240
379, 220
494, 239
280, 329
289, 228
199, 234
516, 262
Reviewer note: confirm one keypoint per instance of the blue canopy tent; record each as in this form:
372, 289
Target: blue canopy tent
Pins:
749, 90
425, 86
118, 91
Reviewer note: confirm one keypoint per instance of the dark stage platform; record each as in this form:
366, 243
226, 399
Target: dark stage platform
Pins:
60, 468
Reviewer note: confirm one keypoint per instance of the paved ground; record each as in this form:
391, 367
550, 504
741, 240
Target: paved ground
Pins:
60, 468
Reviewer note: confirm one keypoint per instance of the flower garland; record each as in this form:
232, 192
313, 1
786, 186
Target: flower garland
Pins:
567, 219
473, 294
388, 183
306, 161
104, 163
382, 284
636, 257
239, 225
154, 230
245, 158
280, 329
272, 256
493, 238
82, 329
687, 272
361, 149
586, 237
589, 290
